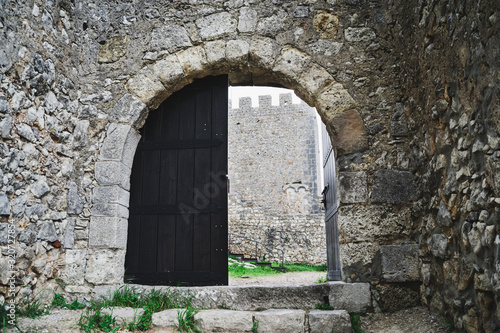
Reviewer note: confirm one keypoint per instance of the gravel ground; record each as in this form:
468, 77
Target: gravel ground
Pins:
288, 278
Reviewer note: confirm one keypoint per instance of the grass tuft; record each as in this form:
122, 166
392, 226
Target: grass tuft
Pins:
187, 322
322, 306
95, 321
356, 323
60, 301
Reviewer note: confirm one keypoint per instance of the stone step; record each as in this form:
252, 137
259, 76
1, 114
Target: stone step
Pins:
352, 297
274, 320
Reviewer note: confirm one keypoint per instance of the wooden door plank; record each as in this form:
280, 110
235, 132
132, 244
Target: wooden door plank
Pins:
148, 243
166, 243
133, 244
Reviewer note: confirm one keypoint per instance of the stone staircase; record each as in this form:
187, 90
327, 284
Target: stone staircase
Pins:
277, 308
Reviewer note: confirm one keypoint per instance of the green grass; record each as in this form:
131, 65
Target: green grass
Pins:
187, 323
255, 326
152, 301
95, 321
356, 323
322, 306
239, 269
60, 301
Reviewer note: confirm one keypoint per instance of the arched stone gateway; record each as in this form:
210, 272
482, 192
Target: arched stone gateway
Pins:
260, 58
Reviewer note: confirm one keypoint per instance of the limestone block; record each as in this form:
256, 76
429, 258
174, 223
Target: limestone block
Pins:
111, 194
109, 209
443, 216
278, 320
74, 269
108, 232
439, 245
326, 24
348, 133
123, 315
247, 21
113, 49
216, 53
193, 61
7, 231
353, 187
171, 73
392, 186
69, 233
400, 263
4, 204
337, 321
48, 232
263, 52
113, 173
120, 144
105, 267
352, 297
291, 63
166, 318
40, 187
26, 132
224, 320
147, 87
237, 52
312, 81
170, 38
333, 101
216, 25
359, 35
75, 203
129, 110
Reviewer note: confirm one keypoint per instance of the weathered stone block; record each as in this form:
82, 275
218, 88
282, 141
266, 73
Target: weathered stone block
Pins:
337, 321
109, 209
4, 204
123, 315
439, 245
247, 21
348, 133
147, 87
333, 101
113, 173
263, 52
120, 144
194, 62
216, 25
74, 270
353, 187
277, 320
171, 73
400, 263
108, 232
352, 297
326, 24
7, 233
75, 203
359, 35
216, 53
113, 49
69, 233
48, 232
105, 267
312, 81
166, 318
291, 63
40, 187
392, 186
111, 194
129, 110
237, 52
224, 320
170, 38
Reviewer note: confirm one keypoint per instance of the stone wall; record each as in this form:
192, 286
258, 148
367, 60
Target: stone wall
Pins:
408, 90
274, 167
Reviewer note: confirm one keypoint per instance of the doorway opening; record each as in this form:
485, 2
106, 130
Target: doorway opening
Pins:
178, 226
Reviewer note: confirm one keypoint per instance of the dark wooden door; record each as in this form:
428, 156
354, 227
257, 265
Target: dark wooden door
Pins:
331, 209
177, 233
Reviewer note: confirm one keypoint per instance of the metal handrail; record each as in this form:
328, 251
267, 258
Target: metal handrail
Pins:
269, 250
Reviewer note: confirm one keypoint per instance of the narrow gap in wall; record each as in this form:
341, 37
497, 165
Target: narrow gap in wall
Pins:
276, 179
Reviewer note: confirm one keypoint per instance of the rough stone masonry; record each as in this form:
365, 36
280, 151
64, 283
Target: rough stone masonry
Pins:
409, 91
